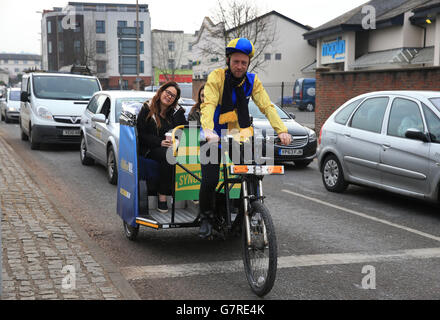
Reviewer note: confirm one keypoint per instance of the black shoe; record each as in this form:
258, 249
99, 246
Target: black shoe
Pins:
205, 230
162, 207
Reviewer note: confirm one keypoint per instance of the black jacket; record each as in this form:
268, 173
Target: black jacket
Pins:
149, 135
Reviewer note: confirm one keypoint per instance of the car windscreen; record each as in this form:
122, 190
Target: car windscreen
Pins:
121, 102
14, 95
64, 88
436, 102
255, 112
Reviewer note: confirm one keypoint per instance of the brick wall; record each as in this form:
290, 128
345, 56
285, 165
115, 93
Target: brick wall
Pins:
334, 89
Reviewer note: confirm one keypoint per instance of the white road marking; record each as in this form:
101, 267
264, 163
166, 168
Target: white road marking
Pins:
197, 269
363, 215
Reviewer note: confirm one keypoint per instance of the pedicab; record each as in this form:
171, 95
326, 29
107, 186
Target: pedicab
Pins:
239, 202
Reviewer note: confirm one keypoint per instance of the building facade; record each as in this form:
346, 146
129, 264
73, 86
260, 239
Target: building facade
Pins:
380, 34
102, 37
172, 56
16, 64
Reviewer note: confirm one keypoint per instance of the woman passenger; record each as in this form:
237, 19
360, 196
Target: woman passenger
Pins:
155, 119
194, 114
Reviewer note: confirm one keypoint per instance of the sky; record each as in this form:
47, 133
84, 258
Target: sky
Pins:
20, 20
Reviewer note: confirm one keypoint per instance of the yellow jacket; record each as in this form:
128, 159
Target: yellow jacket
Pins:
213, 98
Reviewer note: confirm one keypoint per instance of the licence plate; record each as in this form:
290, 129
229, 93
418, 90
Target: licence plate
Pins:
291, 152
71, 132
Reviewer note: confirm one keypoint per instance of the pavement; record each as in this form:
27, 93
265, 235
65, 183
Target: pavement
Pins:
46, 255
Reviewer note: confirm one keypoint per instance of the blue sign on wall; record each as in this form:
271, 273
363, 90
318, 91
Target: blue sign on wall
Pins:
331, 49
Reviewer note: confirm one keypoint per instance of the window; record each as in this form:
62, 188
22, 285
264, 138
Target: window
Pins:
61, 47
59, 26
127, 65
77, 27
171, 64
433, 123
77, 46
122, 24
49, 47
100, 46
141, 27
129, 47
343, 115
190, 47
369, 116
278, 56
404, 115
93, 105
171, 46
141, 67
436, 102
100, 26
101, 66
267, 56
49, 27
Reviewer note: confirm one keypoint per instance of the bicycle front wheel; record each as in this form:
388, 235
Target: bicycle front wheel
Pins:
260, 255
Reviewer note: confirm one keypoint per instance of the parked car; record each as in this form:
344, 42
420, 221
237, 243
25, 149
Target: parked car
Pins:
388, 140
304, 94
99, 133
10, 108
187, 104
51, 106
301, 151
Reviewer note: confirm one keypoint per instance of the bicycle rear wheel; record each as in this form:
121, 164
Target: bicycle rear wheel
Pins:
260, 256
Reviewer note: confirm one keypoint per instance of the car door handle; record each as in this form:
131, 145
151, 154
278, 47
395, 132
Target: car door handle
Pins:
348, 135
386, 146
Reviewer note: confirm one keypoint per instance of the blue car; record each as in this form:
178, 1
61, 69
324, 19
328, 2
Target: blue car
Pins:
304, 93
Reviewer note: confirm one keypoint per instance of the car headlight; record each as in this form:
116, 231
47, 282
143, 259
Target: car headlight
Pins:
42, 112
312, 136
12, 109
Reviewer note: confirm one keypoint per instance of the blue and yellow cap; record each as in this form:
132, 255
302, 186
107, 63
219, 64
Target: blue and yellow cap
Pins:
242, 45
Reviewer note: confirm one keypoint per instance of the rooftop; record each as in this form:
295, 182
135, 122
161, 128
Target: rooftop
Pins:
388, 13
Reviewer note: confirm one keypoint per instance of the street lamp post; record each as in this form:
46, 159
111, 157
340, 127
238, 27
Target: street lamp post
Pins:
137, 47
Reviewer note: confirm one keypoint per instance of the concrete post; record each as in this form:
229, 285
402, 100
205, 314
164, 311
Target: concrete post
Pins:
350, 50
437, 42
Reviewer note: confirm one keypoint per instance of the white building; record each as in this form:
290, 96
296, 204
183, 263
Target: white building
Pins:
282, 60
16, 64
172, 55
103, 36
405, 34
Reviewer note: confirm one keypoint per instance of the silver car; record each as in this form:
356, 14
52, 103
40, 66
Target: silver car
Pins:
388, 140
10, 108
100, 128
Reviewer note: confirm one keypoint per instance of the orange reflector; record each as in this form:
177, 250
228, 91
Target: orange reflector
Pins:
241, 169
275, 170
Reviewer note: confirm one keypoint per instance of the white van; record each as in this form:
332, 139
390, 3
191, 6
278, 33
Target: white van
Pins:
52, 105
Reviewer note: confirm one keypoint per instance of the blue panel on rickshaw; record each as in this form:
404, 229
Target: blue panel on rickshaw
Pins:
127, 200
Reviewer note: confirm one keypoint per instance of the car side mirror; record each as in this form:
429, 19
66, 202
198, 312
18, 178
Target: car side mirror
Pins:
99, 118
292, 115
24, 97
416, 134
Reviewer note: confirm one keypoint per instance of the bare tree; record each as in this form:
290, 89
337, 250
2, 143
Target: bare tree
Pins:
240, 19
168, 52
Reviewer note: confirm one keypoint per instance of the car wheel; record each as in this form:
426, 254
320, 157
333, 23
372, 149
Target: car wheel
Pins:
333, 175
85, 160
6, 118
310, 107
34, 145
112, 166
3, 117
302, 163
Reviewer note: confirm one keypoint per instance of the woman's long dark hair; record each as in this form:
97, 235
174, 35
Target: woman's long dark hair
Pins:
155, 102
199, 101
